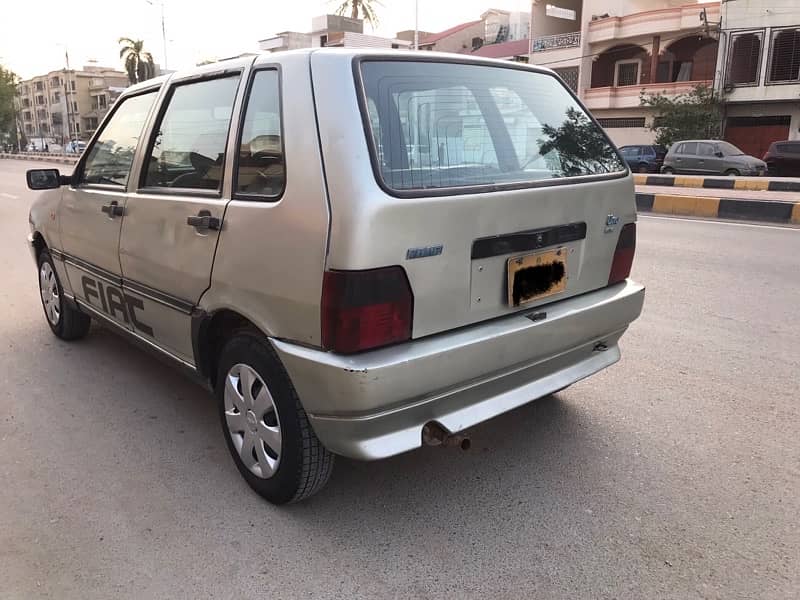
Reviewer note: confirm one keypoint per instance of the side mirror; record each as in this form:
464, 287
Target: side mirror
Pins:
43, 179
719, 154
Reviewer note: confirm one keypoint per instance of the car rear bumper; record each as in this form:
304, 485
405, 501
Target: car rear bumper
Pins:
374, 405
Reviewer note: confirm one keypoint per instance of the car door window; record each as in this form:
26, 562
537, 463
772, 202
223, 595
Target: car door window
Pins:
260, 170
188, 146
688, 148
111, 156
705, 150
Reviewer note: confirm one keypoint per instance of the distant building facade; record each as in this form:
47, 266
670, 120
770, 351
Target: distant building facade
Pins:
331, 31
64, 105
759, 66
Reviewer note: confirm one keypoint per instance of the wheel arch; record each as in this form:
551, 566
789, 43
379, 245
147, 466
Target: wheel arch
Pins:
39, 243
210, 330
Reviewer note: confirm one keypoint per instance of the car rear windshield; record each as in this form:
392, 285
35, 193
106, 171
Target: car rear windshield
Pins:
444, 125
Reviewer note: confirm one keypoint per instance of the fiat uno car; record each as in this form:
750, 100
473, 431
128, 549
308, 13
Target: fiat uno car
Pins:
358, 251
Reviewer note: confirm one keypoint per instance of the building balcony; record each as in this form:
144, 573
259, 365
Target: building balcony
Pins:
603, 98
97, 84
556, 42
652, 22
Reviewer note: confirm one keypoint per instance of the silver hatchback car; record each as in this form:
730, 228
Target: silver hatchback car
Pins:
359, 252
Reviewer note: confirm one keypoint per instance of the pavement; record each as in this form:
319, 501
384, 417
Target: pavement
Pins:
674, 474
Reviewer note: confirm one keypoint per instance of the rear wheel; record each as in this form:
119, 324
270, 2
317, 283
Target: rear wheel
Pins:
266, 429
668, 171
732, 173
66, 322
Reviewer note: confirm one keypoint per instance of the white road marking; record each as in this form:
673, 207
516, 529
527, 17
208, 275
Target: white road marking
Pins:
787, 227
10, 196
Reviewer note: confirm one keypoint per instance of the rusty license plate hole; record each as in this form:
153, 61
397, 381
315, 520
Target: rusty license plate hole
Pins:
536, 276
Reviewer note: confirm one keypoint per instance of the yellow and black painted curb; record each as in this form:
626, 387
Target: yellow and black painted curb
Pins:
754, 184
65, 160
719, 208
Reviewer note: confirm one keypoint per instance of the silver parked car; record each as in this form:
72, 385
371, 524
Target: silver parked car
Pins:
711, 157
358, 251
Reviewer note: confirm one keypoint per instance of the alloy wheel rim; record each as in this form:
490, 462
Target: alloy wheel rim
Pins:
252, 420
48, 287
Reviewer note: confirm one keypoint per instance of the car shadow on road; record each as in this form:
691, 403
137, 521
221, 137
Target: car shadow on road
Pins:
527, 457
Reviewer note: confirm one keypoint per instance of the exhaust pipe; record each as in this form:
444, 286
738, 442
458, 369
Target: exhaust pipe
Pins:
434, 434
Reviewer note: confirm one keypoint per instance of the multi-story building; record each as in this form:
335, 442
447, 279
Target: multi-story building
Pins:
759, 57
63, 105
331, 30
610, 51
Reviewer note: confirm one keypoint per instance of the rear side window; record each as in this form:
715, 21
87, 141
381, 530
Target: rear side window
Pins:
688, 148
111, 156
442, 125
188, 146
260, 168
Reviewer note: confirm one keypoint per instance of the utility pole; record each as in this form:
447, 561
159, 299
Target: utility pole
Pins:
70, 107
416, 24
163, 29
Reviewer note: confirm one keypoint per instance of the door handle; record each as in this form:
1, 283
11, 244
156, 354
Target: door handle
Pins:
113, 209
203, 220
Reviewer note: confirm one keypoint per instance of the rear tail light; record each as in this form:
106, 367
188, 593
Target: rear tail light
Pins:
365, 309
623, 255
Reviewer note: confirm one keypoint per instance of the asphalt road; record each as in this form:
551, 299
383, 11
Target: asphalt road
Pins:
675, 474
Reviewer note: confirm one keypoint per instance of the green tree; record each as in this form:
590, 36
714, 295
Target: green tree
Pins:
138, 63
580, 147
694, 115
365, 8
8, 113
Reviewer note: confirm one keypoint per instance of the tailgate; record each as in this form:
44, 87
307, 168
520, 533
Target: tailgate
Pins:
481, 181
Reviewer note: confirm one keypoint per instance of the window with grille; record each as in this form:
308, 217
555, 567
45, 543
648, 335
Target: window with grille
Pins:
570, 77
784, 63
627, 73
744, 56
621, 122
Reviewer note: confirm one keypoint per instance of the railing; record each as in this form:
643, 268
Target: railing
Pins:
559, 40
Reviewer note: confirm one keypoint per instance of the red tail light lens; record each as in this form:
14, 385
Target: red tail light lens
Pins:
623, 255
365, 309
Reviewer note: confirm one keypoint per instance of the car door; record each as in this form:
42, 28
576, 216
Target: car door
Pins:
92, 208
173, 218
707, 161
686, 159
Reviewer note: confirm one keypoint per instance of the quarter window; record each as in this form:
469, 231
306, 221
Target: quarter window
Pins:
110, 157
188, 146
261, 169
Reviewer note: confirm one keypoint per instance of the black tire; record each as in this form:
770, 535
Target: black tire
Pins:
668, 171
70, 324
732, 173
643, 168
304, 465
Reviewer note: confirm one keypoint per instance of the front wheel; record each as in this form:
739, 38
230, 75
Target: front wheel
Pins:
266, 429
643, 168
732, 173
66, 322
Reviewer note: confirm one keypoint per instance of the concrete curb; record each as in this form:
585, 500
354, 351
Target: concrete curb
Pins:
769, 211
64, 160
755, 184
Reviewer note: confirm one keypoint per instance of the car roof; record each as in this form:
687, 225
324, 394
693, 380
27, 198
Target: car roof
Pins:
345, 54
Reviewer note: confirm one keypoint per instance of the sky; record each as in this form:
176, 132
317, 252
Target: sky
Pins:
197, 30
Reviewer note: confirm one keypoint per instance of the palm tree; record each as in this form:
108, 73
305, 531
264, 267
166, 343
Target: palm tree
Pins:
365, 7
138, 63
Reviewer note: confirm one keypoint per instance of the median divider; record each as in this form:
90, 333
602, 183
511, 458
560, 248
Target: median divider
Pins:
761, 184
64, 159
771, 211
